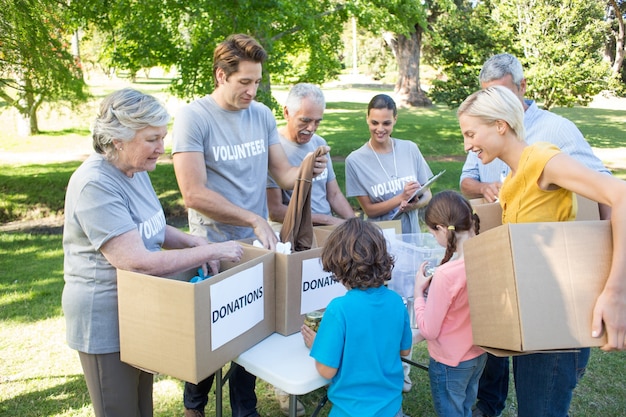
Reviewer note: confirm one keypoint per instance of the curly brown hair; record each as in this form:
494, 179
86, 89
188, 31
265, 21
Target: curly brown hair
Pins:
356, 254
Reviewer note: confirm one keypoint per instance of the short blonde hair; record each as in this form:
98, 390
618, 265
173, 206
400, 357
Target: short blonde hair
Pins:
493, 104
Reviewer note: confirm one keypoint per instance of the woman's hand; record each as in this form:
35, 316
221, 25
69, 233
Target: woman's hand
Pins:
308, 335
609, 315
224, 251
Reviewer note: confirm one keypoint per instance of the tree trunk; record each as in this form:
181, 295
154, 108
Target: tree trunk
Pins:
619, 39
408, 51
27, 110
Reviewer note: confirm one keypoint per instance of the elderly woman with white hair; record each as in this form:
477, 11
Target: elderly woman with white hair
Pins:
113, 219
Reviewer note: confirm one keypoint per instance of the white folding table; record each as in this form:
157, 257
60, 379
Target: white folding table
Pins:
284, 362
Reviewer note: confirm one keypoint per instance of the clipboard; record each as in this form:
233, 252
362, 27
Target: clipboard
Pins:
420, 191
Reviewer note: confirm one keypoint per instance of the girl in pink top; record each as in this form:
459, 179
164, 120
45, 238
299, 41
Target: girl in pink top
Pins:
444, 320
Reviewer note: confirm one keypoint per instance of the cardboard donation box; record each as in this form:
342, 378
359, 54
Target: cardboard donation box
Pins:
533, 286
302, 285
409, 251
490, 214
190, 330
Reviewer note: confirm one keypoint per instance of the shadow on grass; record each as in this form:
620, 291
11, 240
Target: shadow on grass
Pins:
33, 188
38, 190
601, 127
31, 277
69, 394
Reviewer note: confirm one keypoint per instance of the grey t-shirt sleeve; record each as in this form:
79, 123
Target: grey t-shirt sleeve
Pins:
101, 225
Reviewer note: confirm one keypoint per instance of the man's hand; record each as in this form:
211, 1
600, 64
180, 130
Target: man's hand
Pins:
490, 190
320, 162
265, 234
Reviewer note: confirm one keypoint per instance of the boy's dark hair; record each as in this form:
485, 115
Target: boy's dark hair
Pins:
234, 49
451, 210
356, 253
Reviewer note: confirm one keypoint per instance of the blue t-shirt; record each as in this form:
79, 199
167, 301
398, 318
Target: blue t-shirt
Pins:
362, 334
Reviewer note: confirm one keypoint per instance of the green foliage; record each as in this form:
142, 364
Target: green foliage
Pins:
458, 45
184, 34
562, 43
558, 42
36, 63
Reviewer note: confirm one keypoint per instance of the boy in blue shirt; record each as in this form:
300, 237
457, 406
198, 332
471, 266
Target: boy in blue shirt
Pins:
363, 333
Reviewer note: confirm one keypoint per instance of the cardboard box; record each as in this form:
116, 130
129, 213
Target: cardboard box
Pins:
490, 214
302, 285
188, 330
533, 286
410, 250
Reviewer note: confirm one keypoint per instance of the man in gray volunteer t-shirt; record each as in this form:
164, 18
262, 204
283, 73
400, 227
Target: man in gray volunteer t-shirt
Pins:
223, 146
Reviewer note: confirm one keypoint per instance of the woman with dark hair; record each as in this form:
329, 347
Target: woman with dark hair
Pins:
384, 173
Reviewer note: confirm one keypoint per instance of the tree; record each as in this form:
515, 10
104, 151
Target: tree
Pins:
614, 52
402, 24
616, 13
303, 38
458, 45
305, 33
37, 65
558, 42
561, 43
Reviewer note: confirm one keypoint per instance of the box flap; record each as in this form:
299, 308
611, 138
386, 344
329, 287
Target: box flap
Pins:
492, 290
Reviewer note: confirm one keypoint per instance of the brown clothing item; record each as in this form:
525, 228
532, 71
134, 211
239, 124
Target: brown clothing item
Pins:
298, 225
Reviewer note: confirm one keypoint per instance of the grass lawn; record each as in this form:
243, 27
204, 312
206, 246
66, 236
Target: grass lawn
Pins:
41, 376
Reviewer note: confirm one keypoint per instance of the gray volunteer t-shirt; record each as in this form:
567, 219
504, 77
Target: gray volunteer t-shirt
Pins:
235, 145
365, 177
295, 154
102, 203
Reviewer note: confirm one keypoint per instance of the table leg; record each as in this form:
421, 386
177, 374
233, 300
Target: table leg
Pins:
218, 393
293, 409
413, 363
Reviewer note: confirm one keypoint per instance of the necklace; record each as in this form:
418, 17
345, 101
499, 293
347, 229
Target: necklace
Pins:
393, 150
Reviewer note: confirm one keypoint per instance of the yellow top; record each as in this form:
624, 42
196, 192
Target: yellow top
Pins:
521, 198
